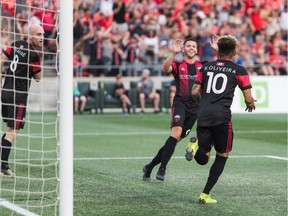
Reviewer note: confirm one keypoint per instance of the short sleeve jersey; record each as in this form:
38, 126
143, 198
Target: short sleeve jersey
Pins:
185, 75
218, 80
24, 63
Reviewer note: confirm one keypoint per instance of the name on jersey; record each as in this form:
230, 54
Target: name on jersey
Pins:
222, 69
187, 76
20, 52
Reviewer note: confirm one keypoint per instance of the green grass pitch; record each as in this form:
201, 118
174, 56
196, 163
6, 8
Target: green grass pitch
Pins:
110, 151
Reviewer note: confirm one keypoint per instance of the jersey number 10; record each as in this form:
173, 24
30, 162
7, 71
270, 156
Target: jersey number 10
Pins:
212, 82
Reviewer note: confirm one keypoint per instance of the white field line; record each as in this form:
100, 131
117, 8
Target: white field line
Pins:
146, 158
24, 212
179, 157
166, 132
16, 208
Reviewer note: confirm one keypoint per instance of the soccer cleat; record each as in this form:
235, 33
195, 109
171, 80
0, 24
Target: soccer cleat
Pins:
161, 174
191, 148
7, 172
206, 199
146, 173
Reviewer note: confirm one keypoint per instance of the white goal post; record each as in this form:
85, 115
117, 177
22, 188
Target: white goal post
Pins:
66, 108
42, 154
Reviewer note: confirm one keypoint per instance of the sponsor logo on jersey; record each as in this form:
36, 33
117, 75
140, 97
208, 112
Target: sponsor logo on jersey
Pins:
220, 64
187, 76
176, 118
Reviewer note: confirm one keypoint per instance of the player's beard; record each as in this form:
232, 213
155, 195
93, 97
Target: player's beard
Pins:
190, 54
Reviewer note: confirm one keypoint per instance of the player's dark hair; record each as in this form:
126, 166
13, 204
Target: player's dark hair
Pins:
189, 39
226, 46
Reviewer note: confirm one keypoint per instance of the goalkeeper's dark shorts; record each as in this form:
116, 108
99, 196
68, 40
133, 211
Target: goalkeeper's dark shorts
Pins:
182, 117
220, 136
14, 115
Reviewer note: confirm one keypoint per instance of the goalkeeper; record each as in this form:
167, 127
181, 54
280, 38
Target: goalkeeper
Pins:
24, 64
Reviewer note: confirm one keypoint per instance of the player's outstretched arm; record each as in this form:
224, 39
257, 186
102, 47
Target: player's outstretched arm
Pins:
176, 48
249, 100
213, 42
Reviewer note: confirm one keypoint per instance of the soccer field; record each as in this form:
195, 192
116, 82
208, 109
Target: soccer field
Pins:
110, 151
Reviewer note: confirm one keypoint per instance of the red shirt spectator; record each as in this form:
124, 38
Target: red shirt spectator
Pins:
256, 19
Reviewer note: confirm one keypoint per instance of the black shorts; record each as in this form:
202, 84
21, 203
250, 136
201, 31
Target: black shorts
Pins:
182, 117
14, 115
221, 136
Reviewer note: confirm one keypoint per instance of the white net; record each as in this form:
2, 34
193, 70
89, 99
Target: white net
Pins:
34, 154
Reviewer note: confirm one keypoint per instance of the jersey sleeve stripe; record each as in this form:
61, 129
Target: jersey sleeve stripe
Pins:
243, 81
35, 67
7, 52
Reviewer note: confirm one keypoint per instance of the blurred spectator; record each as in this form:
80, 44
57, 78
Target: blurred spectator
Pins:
106, 7
284, 21
119, 12
163, 51
131, 55
206, 50
146, 91
278, 62
79, 99
117, 58
150, 23
96, 56
121, 94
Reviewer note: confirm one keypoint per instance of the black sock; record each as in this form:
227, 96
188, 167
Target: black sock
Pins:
201, 157
215, 172
168, 151
5, 152
156, 160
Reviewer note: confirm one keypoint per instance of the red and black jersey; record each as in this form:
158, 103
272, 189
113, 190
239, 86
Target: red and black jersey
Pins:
24, 62
185, 75
218, 80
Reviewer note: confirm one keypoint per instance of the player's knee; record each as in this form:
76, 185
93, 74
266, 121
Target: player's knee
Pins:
201, 159
176, 133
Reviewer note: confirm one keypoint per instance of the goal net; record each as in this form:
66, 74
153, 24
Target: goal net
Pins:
34, 156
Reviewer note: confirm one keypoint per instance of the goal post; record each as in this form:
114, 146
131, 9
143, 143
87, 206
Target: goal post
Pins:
42, 154
66, 107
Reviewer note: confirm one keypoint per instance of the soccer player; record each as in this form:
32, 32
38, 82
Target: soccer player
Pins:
24, 64
184, 109
216, 81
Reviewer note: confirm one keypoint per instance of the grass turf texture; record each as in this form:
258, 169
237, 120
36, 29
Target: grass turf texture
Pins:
254, 185
110, 151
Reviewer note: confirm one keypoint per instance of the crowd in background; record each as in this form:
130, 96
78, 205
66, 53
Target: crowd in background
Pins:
125, 36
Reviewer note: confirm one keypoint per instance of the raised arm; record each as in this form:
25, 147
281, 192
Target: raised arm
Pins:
166, 66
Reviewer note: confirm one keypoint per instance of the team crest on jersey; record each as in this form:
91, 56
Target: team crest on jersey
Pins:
220, 64
176, 118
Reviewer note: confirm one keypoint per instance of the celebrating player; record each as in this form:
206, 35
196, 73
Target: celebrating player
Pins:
184, 109
24, 64
217, 81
